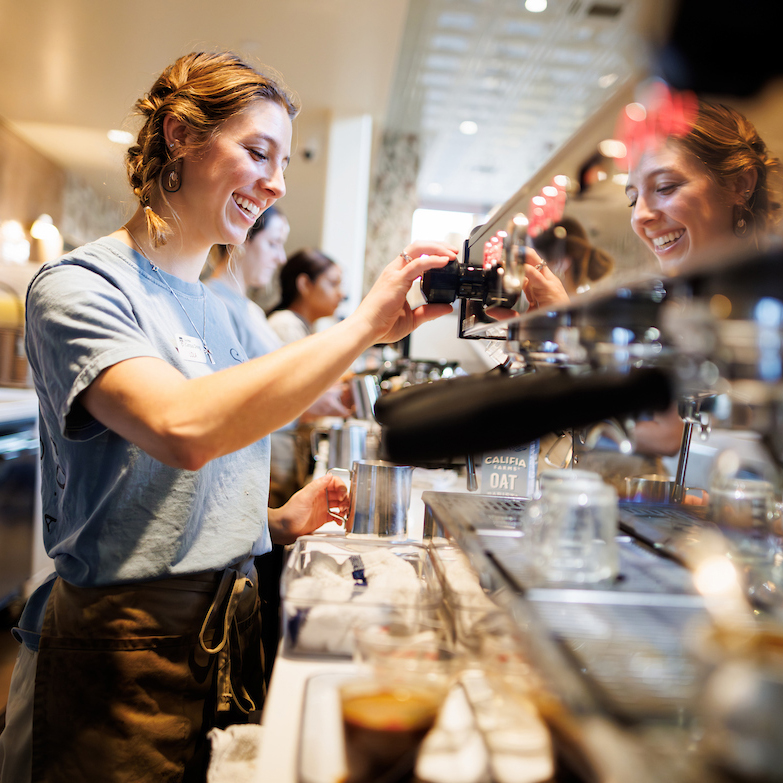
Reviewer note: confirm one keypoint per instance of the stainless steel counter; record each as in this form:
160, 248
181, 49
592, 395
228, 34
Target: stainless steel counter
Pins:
620, 656
19, 500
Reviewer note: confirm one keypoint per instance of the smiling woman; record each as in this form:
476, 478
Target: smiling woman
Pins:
706, 189
709, 188
154, 428
186, 104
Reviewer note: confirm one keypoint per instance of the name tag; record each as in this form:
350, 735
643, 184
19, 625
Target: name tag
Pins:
509, 472
191, 348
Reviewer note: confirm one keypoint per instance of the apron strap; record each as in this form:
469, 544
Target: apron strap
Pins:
224, 605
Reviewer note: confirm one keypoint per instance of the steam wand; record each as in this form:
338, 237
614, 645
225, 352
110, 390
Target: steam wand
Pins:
690, 412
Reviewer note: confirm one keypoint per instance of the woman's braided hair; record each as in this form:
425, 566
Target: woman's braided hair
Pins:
728, 144
202, 90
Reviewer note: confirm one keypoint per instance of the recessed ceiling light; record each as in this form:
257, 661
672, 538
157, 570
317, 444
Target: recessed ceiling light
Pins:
120, 136
612, 148
607, 80
468, 127
620, 179
535, 6
636, 112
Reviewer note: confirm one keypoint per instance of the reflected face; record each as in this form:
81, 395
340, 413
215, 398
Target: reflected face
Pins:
325, 292
265, 253
227, 187
678, 210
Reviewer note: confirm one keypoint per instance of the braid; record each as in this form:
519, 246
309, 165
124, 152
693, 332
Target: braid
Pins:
146, 159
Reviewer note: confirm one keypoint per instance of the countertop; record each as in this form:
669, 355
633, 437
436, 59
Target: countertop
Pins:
282, 716
17, 405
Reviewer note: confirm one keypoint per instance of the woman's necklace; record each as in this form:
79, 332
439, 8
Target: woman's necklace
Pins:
179, 301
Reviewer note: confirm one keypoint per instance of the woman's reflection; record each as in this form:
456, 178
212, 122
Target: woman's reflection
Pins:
570, 255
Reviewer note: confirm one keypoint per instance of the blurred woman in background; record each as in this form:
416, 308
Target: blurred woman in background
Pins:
569, 254
311, 288
251, 265
235, 269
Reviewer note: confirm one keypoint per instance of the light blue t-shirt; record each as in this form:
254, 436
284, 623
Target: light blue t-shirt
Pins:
249, 321
112, 513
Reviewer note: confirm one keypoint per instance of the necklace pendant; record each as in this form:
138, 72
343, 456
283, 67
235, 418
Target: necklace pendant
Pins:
209, 354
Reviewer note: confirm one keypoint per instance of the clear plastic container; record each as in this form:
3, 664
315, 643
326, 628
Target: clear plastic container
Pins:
469, 605
331, 585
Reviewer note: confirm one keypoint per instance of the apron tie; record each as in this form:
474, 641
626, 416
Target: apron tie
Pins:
227, 597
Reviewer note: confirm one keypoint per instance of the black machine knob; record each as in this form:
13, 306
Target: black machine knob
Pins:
440, 286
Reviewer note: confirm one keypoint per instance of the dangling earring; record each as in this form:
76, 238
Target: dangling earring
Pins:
743, 217
172, 180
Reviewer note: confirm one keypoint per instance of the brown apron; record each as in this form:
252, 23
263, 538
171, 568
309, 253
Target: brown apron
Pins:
131, 678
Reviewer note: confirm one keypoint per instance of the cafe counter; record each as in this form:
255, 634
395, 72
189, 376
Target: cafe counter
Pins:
299, 726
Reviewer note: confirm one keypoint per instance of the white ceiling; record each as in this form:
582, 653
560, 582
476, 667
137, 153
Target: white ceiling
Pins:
528, 81
71, 69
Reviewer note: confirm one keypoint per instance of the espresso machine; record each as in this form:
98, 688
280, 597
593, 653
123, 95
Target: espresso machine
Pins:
628, 663
673, 671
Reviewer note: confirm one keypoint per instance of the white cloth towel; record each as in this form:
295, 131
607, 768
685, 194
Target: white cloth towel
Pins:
331, 600
235, 754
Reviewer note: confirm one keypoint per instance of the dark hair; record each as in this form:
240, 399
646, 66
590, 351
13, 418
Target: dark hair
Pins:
568, 238
202, 90
263, 221
728, 145
597, 161
308, 261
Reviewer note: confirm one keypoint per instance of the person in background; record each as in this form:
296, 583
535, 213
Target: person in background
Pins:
253, 264
569, 254
154, 449
310, 288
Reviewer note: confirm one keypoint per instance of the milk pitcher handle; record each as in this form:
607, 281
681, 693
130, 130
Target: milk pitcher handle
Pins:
345, 476
342, 473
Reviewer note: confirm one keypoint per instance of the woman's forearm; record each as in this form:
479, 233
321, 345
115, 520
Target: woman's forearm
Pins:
185, 423
188, 422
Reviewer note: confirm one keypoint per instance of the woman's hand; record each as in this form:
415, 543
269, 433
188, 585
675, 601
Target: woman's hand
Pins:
308, 509
385, 307
542, 287
330, 403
